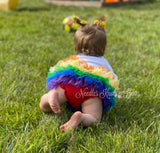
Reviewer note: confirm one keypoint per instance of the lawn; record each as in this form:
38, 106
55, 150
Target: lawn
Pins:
32, 40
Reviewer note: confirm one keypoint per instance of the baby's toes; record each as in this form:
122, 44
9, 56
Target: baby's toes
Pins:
56, 109
63, 127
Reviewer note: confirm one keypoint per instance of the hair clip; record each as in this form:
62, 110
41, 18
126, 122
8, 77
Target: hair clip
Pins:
79, 21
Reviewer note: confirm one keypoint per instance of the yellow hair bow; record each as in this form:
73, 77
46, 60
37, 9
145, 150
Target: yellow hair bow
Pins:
83, 22
96, 21
102, 23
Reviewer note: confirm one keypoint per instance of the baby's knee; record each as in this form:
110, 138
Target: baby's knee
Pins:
43, 105
42, 101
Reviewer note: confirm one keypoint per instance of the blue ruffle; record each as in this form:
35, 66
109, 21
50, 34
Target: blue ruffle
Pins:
68, 76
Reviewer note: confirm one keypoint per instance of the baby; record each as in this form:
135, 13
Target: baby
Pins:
85, 81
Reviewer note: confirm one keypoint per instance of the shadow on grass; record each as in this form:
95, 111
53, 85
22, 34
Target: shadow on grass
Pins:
124, 115
32, 9
136, 111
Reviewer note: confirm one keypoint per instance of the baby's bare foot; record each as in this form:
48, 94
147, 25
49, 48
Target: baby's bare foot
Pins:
53, 102
74, 121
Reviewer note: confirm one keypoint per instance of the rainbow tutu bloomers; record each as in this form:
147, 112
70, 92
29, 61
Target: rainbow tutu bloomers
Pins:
78, 73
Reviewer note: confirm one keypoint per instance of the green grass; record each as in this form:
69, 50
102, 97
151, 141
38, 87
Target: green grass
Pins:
32, 40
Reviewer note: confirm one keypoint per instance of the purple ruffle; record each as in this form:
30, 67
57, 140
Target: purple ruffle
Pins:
98, 86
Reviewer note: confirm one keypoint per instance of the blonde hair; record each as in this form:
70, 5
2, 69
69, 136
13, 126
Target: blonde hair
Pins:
90, 39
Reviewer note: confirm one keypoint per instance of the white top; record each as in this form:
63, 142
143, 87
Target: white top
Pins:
97, 61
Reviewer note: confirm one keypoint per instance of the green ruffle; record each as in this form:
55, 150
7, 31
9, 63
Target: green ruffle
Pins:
80, 73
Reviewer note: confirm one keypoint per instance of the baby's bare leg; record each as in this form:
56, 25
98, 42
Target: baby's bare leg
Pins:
52, 101
91, 113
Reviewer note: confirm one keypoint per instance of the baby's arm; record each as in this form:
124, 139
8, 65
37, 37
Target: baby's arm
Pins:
108, 66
